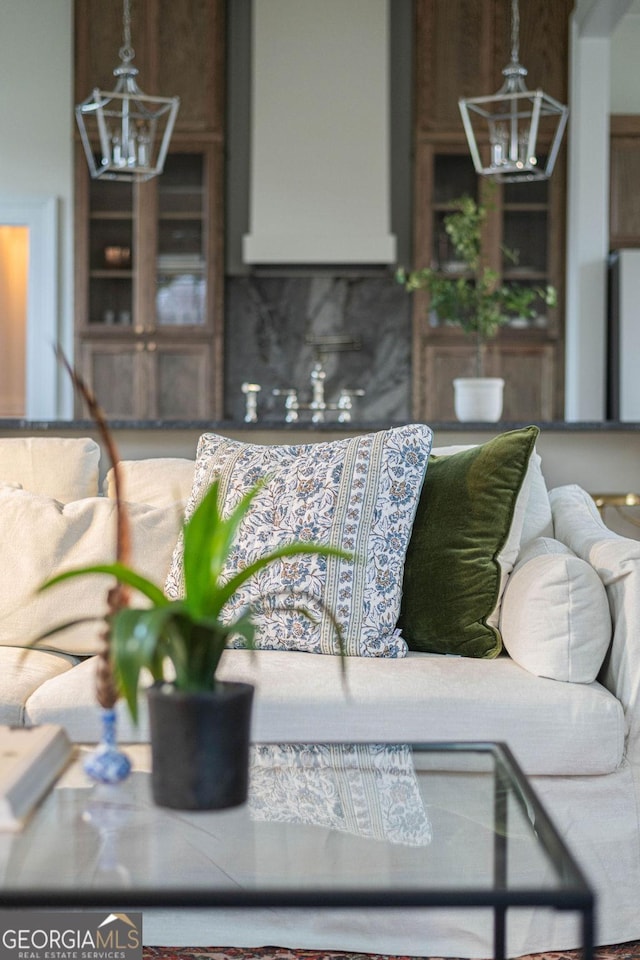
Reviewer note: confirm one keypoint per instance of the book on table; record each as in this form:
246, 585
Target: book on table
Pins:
31, 760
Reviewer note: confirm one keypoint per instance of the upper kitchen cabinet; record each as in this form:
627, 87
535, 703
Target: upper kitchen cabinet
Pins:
179, 51
453, 58
461, 47
624, 228
149, 270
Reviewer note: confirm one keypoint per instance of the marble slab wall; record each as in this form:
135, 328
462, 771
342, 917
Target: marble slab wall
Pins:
270, 320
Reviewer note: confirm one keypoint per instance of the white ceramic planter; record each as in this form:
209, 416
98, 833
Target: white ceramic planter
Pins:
478, 398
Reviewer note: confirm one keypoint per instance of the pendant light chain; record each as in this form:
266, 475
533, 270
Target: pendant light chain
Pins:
515, 31
126, 52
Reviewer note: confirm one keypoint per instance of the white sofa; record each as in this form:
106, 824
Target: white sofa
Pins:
578, 741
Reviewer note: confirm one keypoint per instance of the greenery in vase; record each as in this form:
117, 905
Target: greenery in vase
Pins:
189, 632
475, 300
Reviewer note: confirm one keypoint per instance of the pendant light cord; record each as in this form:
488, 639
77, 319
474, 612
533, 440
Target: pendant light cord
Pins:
515, 31
126, 52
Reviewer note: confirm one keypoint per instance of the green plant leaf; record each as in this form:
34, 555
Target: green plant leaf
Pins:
120, 572
63, 626
136, 642
208, 539
475, 301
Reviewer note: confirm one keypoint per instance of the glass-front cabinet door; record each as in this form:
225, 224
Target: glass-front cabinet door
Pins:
149, 272
181, 258
147, 290
148, 250
111, 254
520, 244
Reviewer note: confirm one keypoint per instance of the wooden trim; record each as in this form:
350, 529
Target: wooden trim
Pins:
214, 159
624, 125
81, 240
422, 246
216, 79
145, 247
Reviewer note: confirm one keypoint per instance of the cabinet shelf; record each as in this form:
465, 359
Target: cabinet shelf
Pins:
180, 215
523, 275
108, 274
444, 207
525, 207
110, 215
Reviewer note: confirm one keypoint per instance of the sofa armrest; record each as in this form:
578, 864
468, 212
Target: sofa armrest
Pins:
616, 559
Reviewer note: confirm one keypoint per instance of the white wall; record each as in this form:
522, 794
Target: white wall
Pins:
604, 79
320, 186
36, 128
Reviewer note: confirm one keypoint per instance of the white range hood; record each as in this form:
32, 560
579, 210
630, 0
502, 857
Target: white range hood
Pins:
320, 152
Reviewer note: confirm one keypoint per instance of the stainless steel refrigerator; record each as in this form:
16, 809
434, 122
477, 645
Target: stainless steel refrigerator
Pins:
623, 347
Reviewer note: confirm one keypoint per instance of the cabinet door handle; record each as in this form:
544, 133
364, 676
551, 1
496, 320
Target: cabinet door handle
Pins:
138, 328
151, 347
139, 347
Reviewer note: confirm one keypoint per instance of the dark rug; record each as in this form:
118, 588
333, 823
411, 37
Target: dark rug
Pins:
621, 951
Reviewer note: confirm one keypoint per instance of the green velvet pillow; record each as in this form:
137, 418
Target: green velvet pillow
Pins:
465, 540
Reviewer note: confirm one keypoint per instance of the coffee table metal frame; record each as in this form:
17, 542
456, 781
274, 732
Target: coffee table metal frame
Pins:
572, 894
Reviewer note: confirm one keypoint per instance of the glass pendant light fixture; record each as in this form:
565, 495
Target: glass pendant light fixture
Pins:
504, 130
129, 130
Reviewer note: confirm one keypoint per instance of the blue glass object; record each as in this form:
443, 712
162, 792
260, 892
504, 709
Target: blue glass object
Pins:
108, 764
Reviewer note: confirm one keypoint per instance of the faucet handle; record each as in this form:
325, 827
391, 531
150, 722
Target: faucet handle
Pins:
290, 403
345, 403
251, 391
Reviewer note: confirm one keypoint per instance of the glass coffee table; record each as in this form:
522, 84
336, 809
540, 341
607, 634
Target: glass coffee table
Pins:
452, 825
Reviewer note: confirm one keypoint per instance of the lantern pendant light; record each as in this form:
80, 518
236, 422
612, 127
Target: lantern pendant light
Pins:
129, 129
506, 132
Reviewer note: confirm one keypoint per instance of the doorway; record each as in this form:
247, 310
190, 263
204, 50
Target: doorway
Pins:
14, 279
28, 307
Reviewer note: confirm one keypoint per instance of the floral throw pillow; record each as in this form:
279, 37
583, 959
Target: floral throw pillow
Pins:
359, 493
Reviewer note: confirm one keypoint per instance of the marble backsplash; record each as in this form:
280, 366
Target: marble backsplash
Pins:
270, 321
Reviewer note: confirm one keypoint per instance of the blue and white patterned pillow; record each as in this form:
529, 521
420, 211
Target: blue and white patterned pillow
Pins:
360, 494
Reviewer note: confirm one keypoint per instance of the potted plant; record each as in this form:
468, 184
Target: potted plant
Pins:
476, 301
199, 724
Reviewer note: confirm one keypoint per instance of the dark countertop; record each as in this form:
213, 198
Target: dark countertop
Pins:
19, 426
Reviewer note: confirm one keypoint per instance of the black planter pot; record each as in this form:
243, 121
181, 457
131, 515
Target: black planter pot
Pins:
200, 746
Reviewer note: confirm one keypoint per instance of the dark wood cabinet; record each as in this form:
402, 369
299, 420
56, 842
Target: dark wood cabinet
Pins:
179, 51
624, 217
149, 378
461, 48
149, 256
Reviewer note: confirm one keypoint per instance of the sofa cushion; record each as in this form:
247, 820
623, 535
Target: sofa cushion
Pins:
554, 616
40, 537
465, 540
538, 519
21, 673
160, 481
359, 494
70, 700
63, 468
555, 729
